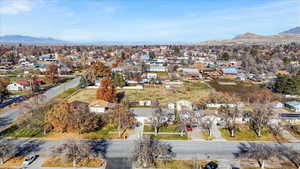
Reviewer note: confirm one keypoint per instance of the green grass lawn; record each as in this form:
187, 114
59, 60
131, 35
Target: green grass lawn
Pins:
102, 133
167, 128
67, 93
206, 136
171, 137
245, 133
195, 85
15, 131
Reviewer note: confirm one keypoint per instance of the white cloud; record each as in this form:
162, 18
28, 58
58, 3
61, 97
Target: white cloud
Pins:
16, 6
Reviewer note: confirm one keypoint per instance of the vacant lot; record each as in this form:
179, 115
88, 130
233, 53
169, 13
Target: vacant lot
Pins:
239, 88
191, 91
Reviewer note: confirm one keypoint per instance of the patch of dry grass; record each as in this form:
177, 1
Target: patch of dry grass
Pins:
16, 161
85, 95
58, 162
191, 91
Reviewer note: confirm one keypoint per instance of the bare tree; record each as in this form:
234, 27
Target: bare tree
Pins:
122, 117
75, 150
291, 154
149, 150
257, 151
6, 150
207, 125
158, 119
260, 116
230, 116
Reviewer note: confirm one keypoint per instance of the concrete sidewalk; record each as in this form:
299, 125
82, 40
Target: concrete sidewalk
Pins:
216, 133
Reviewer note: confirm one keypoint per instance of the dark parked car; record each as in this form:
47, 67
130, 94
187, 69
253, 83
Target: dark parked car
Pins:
211, 165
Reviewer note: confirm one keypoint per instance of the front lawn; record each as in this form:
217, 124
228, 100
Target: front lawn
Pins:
13, 162
58, 162
206, 136
167, 128
103, 133
245, 133
179, 164
15, 131
171, 137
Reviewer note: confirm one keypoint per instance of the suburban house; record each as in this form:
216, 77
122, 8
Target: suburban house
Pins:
100, 106
155, 68
190, 72
230, 72
184, 105
15, 87
19, 85
293, 105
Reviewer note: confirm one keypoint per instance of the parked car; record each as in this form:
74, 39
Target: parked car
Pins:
211, 165
29, 160
189, 128
194, 124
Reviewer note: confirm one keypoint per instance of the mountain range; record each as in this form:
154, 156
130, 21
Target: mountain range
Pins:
29, 40
295, 30
292, 35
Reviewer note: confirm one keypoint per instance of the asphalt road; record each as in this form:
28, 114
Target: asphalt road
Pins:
114, 150
183, 149
8, 117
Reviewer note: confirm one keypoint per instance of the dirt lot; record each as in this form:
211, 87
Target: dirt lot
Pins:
239, 88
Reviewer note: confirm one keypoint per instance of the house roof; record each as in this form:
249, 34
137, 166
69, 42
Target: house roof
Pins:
99, 103
229, 71
23, 82
189, 70
102, 103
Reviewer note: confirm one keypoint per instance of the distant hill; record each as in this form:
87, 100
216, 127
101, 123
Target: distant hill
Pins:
254, 39
248, 35
295, 30
29, 39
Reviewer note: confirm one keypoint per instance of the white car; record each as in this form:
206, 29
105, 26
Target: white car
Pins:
29, 160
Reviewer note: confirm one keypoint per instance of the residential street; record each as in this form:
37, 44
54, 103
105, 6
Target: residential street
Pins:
10, 116
184, 150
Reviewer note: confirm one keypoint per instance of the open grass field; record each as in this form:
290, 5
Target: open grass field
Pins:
245, 133
191, 91
85, 95
58, 162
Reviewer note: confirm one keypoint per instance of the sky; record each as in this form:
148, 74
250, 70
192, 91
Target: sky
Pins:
146, 20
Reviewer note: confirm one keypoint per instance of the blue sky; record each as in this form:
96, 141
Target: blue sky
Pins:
146, 20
